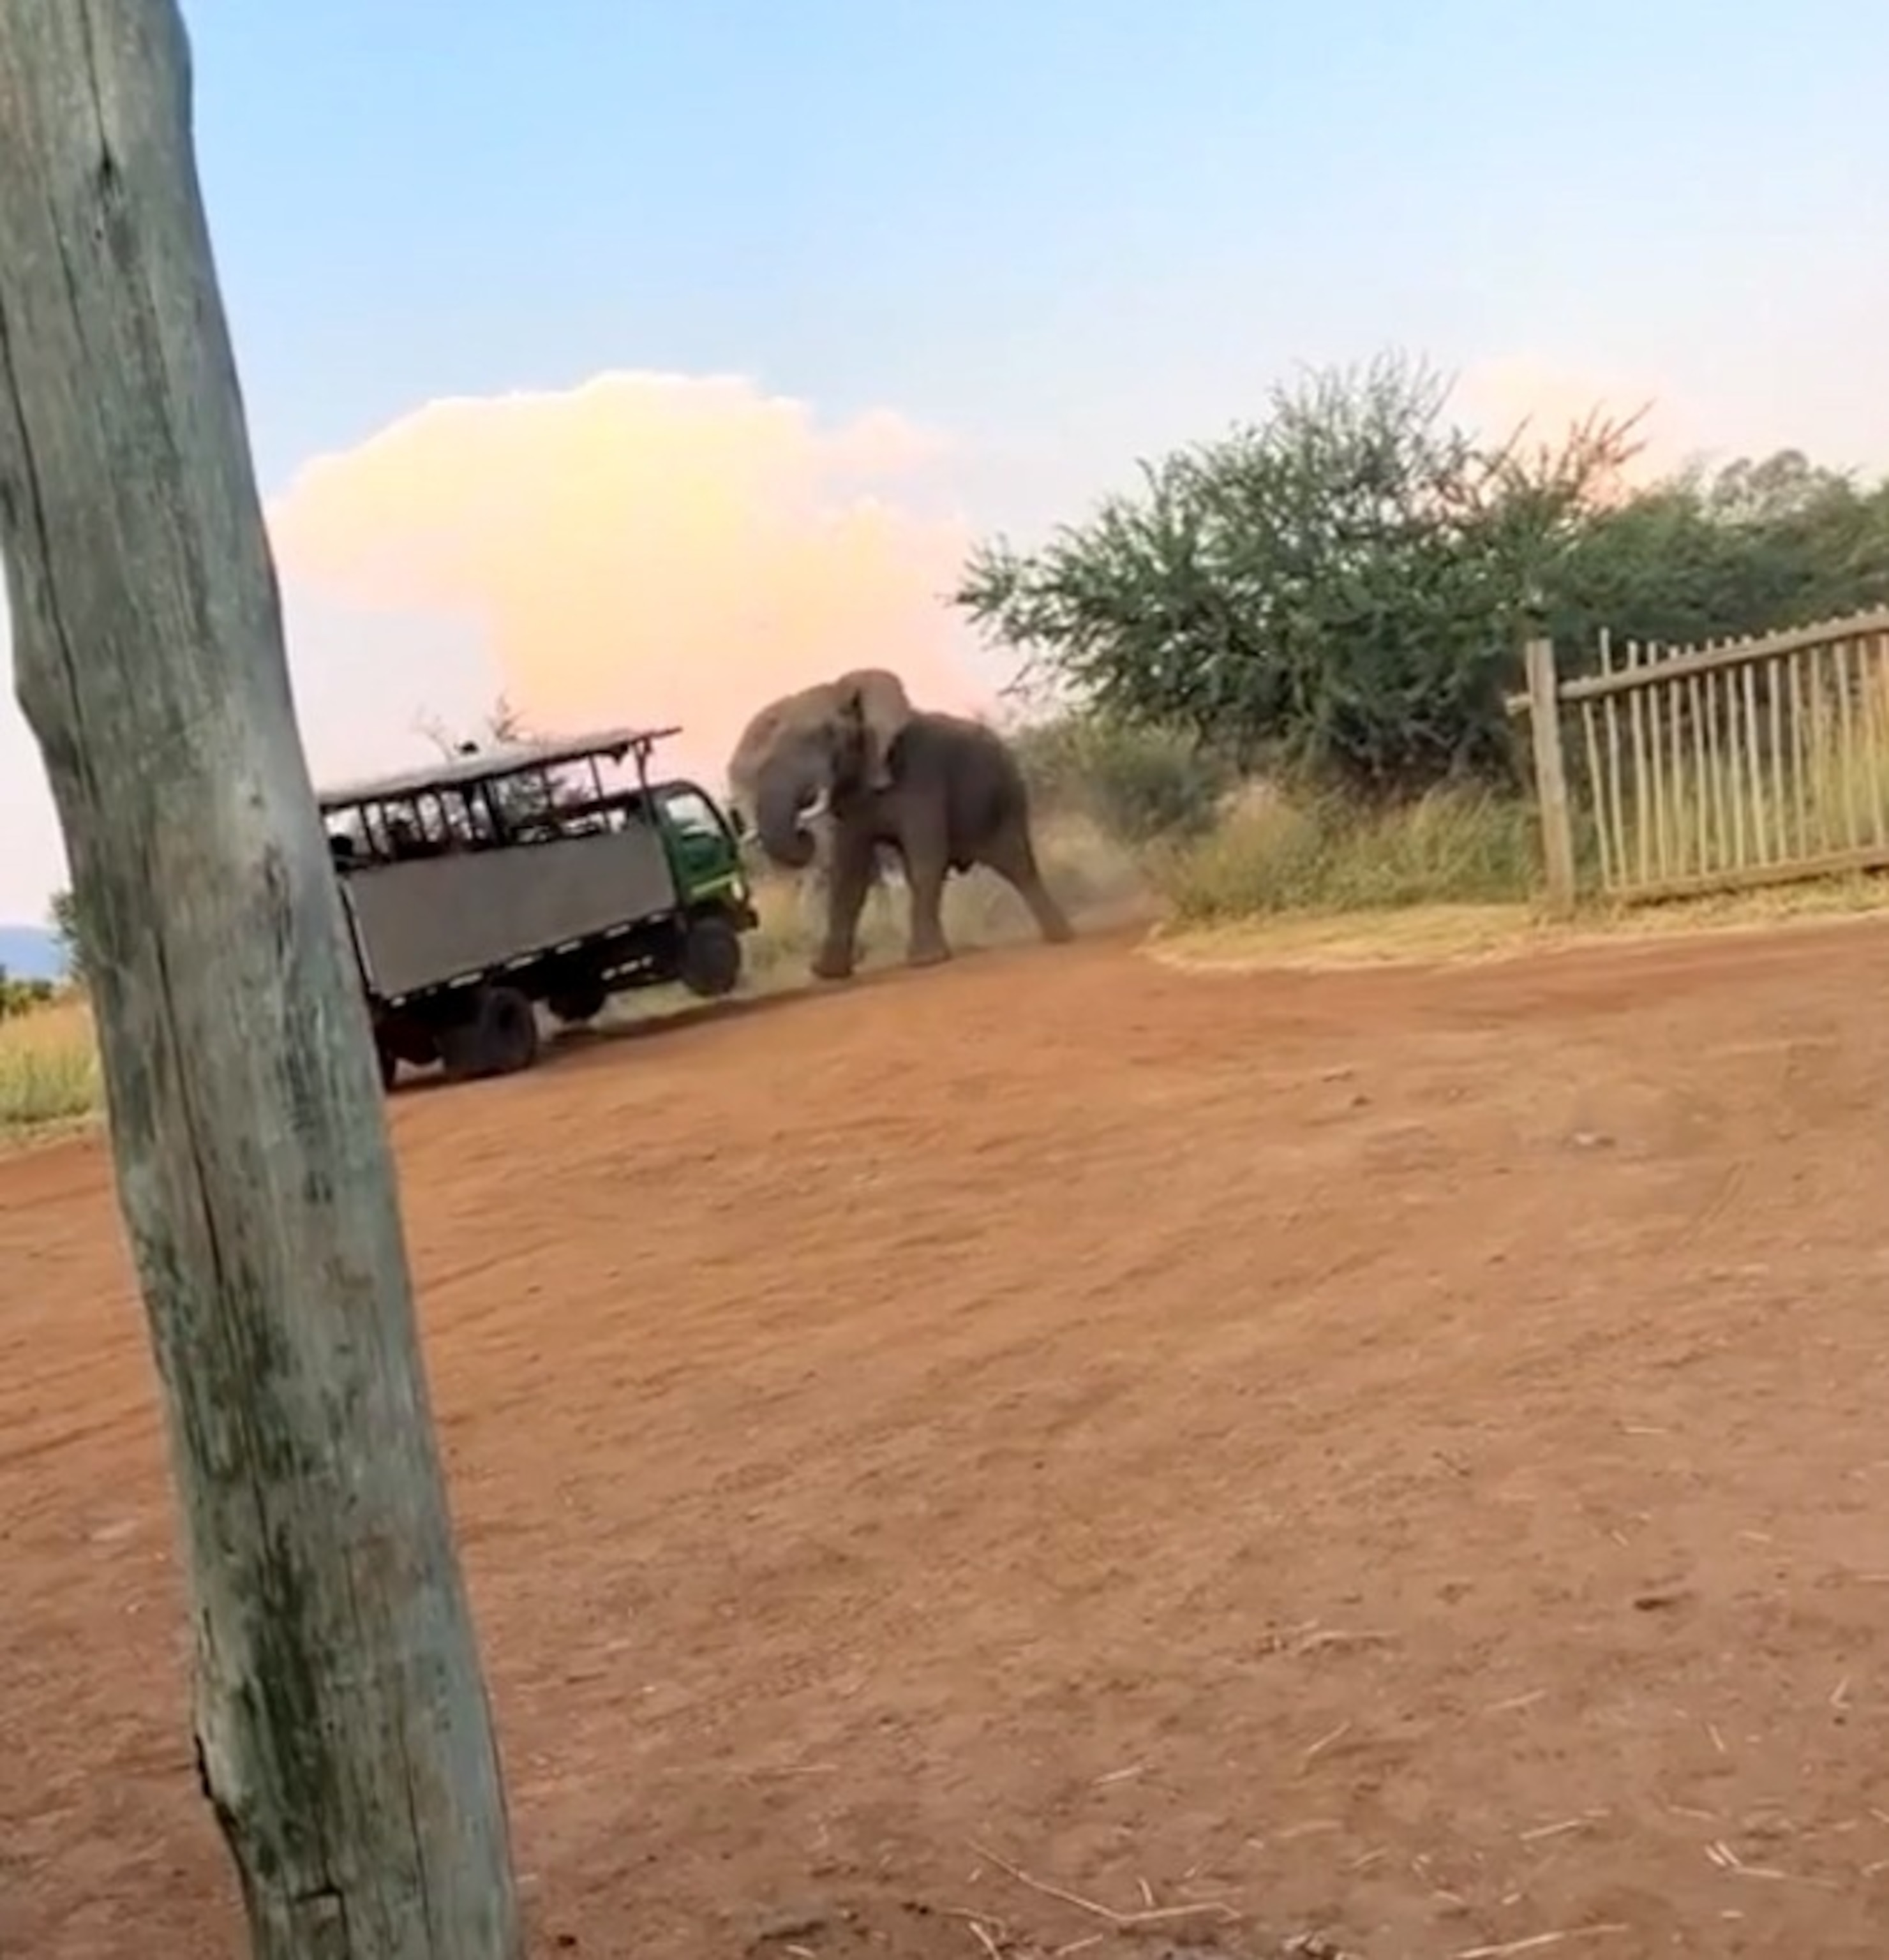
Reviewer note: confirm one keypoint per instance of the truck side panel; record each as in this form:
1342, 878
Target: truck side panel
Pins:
426, 921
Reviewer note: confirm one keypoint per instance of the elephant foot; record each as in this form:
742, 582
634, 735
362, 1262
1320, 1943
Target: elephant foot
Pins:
1058, 932
832, 966
927, 955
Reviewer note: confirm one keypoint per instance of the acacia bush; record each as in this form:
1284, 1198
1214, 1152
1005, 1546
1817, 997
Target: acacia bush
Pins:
1336, 594
1334, 591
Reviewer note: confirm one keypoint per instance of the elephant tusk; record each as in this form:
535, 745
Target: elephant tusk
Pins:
821, 804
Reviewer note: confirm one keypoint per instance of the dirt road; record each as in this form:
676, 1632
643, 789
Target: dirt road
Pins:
1403, 1455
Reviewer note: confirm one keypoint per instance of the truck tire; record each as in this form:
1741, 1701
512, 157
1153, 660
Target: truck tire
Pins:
710, 963
498, 1037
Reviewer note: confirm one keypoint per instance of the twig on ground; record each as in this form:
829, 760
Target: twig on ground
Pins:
1147, 1916
1722, 1855
1527, 1701
1324, 1743
1537, 1942
988, 1920
1555, 1830
984, 1939
1340, 1636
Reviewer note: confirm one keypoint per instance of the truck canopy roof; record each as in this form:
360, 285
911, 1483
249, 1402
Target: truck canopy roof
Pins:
509, 759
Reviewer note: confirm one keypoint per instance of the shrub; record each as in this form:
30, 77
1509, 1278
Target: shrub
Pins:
1338, 586
49, 1067
1323, 852
22, 997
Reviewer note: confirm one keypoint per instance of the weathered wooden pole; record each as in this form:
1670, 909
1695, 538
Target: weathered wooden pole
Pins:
343, 1729
1551, 775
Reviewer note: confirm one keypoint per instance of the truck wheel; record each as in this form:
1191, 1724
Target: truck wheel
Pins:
390, 1062
498, 1037
711, 964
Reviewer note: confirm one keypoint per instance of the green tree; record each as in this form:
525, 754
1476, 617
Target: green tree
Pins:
62, 918
1339, 587
1335, 589
1752, 547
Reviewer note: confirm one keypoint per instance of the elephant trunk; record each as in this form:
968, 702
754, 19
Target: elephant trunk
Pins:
780, 798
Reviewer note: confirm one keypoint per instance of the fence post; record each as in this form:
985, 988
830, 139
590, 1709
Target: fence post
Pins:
1551, 776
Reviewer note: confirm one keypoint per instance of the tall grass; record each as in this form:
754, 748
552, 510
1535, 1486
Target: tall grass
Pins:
49, 1067
1804, 776
1281, 854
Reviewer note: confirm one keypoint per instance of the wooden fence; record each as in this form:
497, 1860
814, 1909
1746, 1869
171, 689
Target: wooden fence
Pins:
1675, 771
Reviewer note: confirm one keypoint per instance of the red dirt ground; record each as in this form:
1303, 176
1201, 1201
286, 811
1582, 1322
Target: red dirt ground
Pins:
1400, 1454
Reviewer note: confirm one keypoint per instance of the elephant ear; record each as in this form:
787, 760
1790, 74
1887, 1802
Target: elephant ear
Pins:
876, 699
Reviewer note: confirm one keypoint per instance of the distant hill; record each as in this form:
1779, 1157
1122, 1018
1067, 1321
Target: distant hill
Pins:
30, 952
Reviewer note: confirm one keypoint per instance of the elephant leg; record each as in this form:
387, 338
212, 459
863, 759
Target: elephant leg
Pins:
849, 875
1012, 856
927, 864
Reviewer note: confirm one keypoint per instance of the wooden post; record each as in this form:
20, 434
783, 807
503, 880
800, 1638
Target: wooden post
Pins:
1551, 778
342, 1731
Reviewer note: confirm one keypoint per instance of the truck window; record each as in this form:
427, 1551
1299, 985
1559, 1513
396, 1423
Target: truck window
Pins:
689, 810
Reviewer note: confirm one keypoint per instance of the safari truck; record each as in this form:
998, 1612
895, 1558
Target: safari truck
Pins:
534, 875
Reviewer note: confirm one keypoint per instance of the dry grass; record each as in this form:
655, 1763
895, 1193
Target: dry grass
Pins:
1313, 882
48, 1069
1281, 855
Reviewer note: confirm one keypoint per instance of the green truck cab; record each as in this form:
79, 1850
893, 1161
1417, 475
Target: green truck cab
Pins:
702, 845
540, 877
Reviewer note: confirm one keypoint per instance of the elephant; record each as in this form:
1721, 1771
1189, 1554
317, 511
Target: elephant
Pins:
853, 756
816, 881
815, 868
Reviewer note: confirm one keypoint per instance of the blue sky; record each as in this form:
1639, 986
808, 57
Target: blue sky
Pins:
985, 211
1061, 234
